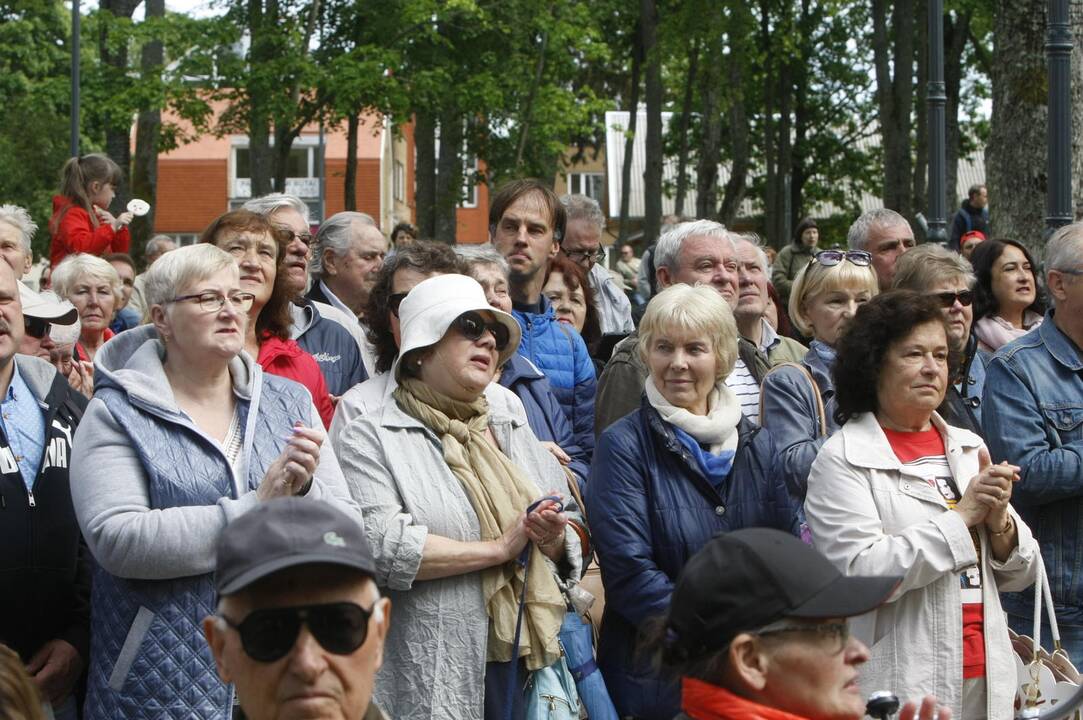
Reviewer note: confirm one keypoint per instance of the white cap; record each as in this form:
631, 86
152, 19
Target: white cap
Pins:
432, 305
47, 306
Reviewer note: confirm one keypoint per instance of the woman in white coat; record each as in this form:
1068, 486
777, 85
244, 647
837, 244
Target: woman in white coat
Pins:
897, 491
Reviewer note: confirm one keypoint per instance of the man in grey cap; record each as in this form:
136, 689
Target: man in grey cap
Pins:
300, 626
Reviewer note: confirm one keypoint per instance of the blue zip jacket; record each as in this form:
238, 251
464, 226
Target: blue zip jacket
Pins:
651, 509
333, 347
543, 412
1032, 414
559, 352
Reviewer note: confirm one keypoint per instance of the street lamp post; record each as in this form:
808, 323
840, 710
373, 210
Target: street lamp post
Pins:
1058, 50
76, 23
936, 100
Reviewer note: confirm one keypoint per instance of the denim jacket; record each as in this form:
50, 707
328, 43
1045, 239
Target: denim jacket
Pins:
1032, 414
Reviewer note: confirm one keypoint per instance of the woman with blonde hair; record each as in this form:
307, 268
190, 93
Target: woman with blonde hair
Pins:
92, 285
797, 401
666, 478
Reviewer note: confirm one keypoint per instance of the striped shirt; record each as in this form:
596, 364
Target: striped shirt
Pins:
741, 382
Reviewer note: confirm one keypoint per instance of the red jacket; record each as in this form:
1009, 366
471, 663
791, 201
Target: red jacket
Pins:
285, 358
76, 234
703, 701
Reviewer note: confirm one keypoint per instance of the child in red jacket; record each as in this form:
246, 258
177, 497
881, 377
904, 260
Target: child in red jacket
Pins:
81, 222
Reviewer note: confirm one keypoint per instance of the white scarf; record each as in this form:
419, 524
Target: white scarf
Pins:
718, 428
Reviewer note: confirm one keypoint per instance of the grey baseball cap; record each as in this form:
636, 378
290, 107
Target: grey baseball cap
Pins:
284, 533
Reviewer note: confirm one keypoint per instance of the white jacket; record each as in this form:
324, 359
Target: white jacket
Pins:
871, 516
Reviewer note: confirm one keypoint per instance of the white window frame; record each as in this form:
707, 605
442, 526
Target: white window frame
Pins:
577, 184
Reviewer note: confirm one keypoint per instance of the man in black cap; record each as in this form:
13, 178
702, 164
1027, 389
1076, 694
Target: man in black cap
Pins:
300, 625
757, 629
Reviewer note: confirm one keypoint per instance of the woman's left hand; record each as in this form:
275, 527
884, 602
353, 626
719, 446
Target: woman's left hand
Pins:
995, 489
545, 528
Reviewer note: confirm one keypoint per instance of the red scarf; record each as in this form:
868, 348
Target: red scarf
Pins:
703, 701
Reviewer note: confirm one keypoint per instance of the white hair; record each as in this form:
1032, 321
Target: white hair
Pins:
20, 219
755, 241
157, 246
667, 252
272, 202
857, 237
581, 207
182, 267
1064, 251
75, 268
334, 235
474, 255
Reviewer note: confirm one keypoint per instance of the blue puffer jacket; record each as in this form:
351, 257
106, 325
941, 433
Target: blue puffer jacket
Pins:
559, 352
651, 509
543, 412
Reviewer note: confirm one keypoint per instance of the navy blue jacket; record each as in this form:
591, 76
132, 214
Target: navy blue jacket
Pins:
651, 509
333, 347
543, 412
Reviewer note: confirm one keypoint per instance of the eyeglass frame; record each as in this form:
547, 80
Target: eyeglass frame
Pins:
38, 323
302, 612
844, 255
964, 297
222, 299
841, 631
594, 257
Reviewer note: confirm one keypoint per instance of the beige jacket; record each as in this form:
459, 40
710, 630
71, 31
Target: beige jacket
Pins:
869, 516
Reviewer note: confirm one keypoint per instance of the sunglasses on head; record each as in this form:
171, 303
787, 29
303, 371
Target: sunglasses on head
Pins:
471, 326
828, 258
36, 327
947, 299
269, 635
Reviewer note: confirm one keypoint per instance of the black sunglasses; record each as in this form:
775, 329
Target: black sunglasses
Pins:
828, 258
269, 635
472, 326
393, 302
947, 299
36, 327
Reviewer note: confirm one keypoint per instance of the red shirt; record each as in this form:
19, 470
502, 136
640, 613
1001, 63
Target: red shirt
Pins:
285, 358
75, 233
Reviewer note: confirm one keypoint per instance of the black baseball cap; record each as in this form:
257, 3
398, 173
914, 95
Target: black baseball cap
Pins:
746, 579
284, 533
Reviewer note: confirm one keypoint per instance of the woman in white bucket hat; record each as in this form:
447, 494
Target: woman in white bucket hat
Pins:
444, 479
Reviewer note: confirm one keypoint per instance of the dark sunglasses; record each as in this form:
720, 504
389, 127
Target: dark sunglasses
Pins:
828, 258
36, 327
472, 326
947, 299
269, 635
393, 302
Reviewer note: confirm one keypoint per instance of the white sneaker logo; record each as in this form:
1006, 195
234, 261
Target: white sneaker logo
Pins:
332, 538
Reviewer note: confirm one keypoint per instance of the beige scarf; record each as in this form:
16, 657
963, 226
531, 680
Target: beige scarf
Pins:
499, 492
717, 429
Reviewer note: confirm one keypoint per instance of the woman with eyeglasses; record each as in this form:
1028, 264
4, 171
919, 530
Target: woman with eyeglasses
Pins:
259, 248
898, 491
1008, 302
797, 401
185, 433
445, 478
947, 276
685, 466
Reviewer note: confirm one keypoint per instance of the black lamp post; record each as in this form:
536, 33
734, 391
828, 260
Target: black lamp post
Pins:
76, 23
936, 100
1058, 50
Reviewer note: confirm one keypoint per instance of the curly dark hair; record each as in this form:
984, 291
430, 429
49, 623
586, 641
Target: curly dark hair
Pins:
860, 351
274, 319
425, 256
575, 277
983, 259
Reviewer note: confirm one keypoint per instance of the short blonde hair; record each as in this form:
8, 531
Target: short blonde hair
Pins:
75, 268
927, 265
815, 279
182, 267
699, 310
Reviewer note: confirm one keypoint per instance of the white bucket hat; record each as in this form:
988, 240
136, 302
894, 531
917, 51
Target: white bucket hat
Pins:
47, 306
432, 305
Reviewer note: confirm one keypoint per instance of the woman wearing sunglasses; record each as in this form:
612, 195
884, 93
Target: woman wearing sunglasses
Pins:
1008, 302
185, 433
898, 491
444, 477
797, 402
685, 466
946, 276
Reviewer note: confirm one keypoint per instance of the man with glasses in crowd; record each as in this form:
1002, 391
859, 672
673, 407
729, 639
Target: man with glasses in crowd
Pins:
583, 245
300, 625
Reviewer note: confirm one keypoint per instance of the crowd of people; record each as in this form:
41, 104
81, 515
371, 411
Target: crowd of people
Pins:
279, 474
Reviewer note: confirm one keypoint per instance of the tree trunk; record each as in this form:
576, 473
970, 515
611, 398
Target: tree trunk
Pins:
261, 162
956, 34
117, 138
894, 57
353, 120
524, 121
147, 131
740, 145
655, 155
770, 158
1015, 157
629, 143
802, 115
710, 148
919, 201
683, 130
449, 177
1075, 17
425, 174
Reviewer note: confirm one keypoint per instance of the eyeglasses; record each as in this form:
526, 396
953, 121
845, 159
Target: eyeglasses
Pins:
36, 327
213, 302
829, 258
471, 326
947, 299
304, 237
837, 633
393, 302
268, 635
578, 256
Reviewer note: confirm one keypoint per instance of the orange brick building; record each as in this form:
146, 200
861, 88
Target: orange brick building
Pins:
205, 178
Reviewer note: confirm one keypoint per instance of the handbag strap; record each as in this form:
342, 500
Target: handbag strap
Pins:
821, 415
1043, 594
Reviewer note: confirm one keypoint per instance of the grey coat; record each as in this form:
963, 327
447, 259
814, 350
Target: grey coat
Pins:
434, 656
